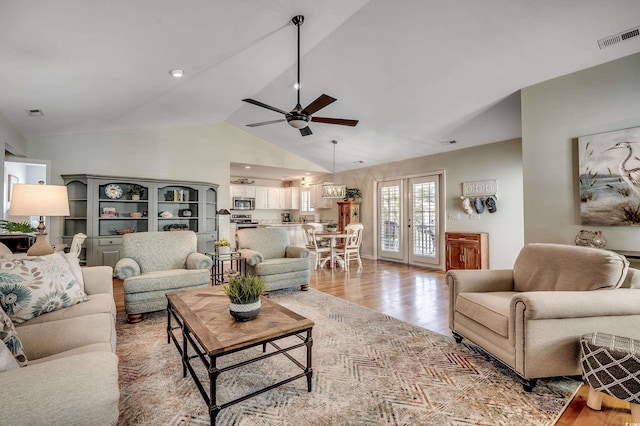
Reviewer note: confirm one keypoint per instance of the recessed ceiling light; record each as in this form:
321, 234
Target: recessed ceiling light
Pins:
34, 112
177, 73
247, 167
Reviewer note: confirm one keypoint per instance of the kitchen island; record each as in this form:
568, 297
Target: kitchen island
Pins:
294, 229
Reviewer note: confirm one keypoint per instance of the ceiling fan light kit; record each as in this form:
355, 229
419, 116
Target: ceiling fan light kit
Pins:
299, 117
330, 189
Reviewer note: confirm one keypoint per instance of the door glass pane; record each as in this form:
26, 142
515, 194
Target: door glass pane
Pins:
390, 220
424, 219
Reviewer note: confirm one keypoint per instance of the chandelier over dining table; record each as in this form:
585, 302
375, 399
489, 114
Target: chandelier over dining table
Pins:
330, 189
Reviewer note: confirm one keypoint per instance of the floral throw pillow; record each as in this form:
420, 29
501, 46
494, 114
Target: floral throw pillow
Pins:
10, 339
34, 286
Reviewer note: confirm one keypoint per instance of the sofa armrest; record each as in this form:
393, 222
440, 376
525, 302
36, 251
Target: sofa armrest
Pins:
252, 257
127, 267
292, 251
79, 389
479, 281
199, 261
536, 305
97, 279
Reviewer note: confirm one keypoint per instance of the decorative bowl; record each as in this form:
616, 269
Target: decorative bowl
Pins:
125, 231
135, 214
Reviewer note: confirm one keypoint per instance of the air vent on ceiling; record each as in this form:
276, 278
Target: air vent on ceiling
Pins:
614, 39
452, 142
34, 112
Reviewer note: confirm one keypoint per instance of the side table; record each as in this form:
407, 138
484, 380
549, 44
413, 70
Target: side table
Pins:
226, 265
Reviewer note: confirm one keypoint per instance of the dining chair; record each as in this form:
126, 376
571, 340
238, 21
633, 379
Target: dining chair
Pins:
312, 244
351, 248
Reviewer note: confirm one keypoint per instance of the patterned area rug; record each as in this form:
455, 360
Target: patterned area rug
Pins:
369, 369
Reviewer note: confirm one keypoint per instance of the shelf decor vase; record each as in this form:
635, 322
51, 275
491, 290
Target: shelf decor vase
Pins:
224, 250
245, 312
135, 197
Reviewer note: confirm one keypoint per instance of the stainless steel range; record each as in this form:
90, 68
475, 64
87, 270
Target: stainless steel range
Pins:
243, 221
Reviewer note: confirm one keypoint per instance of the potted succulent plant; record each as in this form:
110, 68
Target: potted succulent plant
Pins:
222, 246
134, 192
244, 297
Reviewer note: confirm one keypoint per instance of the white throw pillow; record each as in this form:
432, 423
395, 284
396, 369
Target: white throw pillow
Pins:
7, 361
76, 270
35, 286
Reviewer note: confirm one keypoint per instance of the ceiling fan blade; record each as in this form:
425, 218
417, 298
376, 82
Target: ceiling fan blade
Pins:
340, 121
306, 131
265, 122
263, 105
322, 101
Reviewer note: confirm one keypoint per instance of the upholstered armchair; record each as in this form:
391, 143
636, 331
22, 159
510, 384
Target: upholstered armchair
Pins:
155, 263
269, 256
531, 317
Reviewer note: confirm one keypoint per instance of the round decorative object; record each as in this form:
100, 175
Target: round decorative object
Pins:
245, 312
113, 191
223, 250
591, 239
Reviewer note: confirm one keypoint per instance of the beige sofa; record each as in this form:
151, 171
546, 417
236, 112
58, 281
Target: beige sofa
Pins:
72, 374
531, 317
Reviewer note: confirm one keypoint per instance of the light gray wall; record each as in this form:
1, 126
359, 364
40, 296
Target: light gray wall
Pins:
501, 161
198, 153
13, 142
554, 114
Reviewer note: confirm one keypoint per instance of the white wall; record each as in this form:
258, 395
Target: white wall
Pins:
11, 141
198, 153
501, 161
554, 114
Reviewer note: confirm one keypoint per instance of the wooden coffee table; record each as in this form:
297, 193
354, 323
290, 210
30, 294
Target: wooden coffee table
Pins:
208, 329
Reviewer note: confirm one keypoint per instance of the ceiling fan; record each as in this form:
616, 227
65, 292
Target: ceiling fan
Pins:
300, 117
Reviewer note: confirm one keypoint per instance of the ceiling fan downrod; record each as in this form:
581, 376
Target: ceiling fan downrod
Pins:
298, 21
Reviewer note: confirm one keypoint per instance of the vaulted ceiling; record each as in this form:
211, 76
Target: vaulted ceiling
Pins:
416, 73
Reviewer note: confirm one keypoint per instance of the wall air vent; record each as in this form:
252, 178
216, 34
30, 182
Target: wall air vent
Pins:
614, 39
34, 112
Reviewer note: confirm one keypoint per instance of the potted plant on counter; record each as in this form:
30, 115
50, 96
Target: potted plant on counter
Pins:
244, 297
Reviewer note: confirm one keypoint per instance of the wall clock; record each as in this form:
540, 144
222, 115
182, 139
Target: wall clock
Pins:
113, 191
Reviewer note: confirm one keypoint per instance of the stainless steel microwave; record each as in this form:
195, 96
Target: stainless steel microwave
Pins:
244, 203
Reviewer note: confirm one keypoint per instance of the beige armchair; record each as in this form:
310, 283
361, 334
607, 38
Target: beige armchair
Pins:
531, 317
269, 256
155, 263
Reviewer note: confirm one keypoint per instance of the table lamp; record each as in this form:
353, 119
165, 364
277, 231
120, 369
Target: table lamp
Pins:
39, 200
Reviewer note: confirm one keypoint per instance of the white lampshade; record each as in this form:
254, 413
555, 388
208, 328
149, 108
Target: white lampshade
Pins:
39, 200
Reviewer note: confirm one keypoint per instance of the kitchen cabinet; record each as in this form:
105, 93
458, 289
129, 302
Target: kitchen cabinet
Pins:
262, 197
317, 202
273, 198
348, 212
291, 198
102, 207
467, 250
243, 191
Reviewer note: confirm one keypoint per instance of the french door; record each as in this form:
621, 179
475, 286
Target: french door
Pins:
408, 220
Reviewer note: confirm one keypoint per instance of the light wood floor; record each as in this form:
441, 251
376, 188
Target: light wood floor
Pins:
420, 296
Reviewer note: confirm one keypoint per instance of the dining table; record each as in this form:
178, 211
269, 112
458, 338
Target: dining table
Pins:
333, 237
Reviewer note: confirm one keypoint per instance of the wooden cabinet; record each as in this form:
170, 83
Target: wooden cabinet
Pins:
103, 206
348, 212
467, 250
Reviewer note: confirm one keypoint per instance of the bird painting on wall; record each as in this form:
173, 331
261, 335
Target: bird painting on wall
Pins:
630, 175
609, 178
